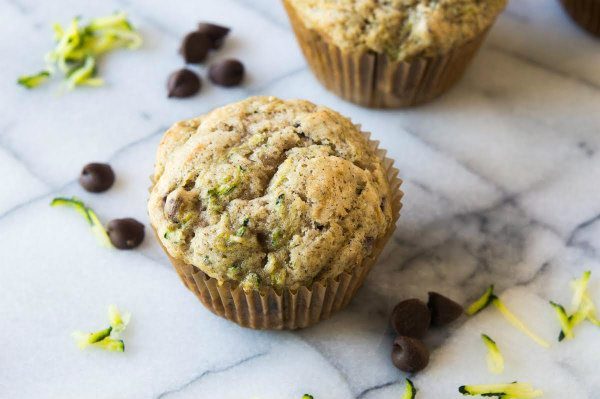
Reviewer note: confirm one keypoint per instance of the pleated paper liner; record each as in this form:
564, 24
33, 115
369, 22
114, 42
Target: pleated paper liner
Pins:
289, 309
374, 80
586, 13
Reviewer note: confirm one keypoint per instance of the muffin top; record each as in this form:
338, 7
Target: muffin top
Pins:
267, 192
402, 29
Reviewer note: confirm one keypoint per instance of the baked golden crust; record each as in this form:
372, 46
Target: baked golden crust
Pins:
402, 29
268, 192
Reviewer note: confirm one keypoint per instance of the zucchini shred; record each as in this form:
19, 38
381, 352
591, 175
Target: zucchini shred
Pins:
494, 358
89, 215
489, 298
410, 392
515, 390
107, 339
584, 308
78, 48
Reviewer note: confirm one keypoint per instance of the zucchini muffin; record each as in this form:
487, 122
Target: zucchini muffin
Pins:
268, 196
390, 53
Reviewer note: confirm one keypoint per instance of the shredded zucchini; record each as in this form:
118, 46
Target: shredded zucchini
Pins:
583, 305
117, 321
91, 217
33, 81
111, 345
84, 340
242, 230
512, 319
84, 74
79, 46
585, 308
495, 360
591, 313
279, 199
483, 302
409, 390
276, 238
490, 298
109, 338
222, 190
515, 390
564, 320
307, 396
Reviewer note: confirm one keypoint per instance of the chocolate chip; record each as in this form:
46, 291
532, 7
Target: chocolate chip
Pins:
443, 309
227, 73
409, 354
183, 83
216, 33
194, 47
411, 318
125, 233
97, 177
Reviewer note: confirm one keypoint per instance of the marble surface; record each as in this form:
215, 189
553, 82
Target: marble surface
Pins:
501, 181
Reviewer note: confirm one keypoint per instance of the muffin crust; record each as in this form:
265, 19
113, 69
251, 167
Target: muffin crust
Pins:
267, 192
402, 29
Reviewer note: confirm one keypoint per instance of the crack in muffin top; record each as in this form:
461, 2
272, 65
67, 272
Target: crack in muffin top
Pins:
267, 192
402, 29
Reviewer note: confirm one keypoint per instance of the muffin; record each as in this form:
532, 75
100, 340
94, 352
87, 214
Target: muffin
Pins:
586, 13
271, 211
393, 53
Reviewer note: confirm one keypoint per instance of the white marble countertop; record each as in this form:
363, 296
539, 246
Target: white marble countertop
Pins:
501, 181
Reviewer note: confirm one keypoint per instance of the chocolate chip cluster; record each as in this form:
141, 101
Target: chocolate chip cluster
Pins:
411, 319
194, 49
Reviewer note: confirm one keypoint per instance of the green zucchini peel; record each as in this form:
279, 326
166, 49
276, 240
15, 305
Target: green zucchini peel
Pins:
490, 298
494, 358
582, 302
482, 302
111, 345
410, 392
564, 320
242, 230
515, 390
84, 340
109, 338
78, 48
512, 319
307, 396
91, 217
100, 339
280, 199
83, 75
33, 81
583, 305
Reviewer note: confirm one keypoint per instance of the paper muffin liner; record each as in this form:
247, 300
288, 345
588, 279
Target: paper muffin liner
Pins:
290, 309
374, 80
586, 13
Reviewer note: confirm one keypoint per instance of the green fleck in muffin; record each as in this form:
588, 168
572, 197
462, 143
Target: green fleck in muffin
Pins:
267, 195
390, 53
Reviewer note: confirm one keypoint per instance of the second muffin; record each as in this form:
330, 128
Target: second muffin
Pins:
264, 204
391, 53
